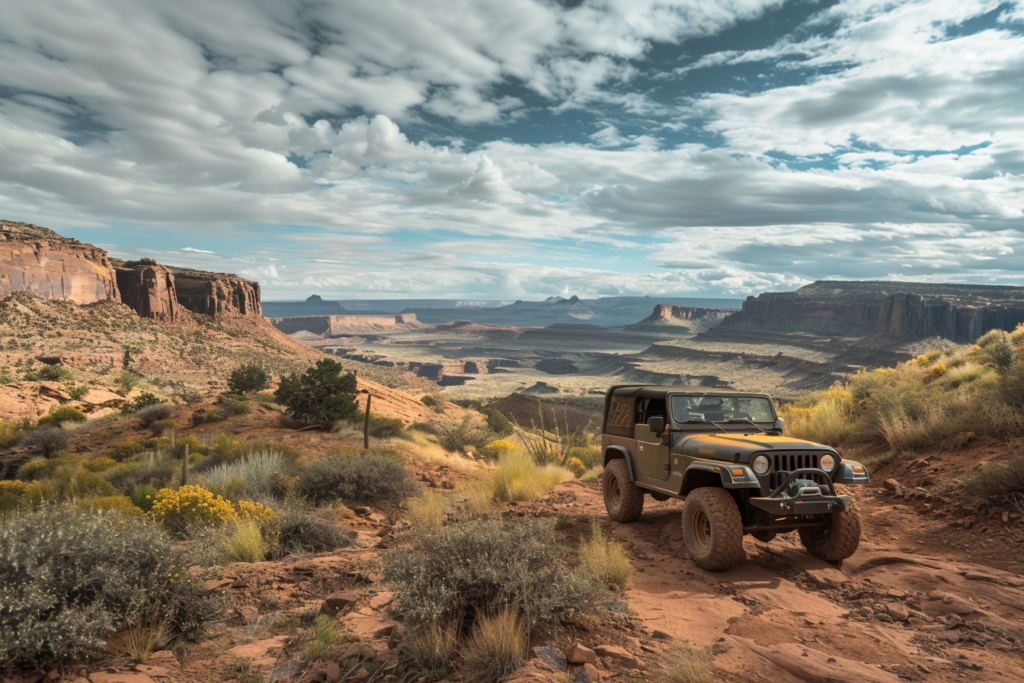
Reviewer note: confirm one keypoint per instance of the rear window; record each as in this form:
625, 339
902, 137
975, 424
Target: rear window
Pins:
620, 416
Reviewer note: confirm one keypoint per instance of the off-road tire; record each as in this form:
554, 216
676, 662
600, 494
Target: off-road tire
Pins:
837, 540
623, 499
713, 529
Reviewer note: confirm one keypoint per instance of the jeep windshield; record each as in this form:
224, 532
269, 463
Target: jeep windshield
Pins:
697, 413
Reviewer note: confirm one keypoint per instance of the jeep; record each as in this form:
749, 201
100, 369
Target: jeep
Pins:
724, 454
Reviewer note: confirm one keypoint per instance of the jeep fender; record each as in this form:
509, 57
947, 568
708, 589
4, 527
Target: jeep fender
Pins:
703, 473
846, 474
617, 452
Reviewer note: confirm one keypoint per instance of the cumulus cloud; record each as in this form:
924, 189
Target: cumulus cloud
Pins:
519, 147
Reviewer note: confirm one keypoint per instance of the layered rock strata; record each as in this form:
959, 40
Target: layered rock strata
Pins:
149, 289
217, 293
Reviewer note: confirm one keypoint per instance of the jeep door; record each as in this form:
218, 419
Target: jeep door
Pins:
652, 453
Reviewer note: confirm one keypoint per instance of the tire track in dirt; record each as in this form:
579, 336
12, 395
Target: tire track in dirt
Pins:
782, 615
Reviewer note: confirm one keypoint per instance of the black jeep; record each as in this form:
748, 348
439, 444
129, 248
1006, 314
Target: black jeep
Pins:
723, 452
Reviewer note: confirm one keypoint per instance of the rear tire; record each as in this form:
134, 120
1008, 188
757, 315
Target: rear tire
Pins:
713, 529
622, 498
835, 541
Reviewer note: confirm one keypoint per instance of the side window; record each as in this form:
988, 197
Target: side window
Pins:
655, 408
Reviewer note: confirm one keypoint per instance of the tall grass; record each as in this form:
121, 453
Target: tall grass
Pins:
605, 559
257, 474
825, 418
518, 477
426, 512
685, 664
496, 648
246, 544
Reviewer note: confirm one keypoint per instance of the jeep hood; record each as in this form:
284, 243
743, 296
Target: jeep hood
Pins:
745, 444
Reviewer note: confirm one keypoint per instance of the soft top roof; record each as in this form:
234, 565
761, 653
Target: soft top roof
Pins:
658, 391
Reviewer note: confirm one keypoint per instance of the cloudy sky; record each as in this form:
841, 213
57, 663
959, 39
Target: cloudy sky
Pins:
522, 148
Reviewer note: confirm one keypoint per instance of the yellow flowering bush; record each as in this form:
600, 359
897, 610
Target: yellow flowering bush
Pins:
256, 512
576, 466
190, 506
120, 504
498, 448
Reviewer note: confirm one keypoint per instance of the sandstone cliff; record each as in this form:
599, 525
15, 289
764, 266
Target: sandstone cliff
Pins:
217, 293
904, 310
336, 325
38, 260
149, 289
665, 314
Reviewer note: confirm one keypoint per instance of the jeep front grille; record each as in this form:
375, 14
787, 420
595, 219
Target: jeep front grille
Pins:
784, 463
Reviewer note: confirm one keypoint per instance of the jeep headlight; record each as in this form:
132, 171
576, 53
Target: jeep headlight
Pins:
761, 464
827, 462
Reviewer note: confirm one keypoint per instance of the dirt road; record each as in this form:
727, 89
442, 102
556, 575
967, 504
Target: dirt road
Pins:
902, 608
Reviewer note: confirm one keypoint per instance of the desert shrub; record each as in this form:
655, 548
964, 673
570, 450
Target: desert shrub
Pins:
70, 579
78, 393
144, 496
256, 512
162, 426
248, 377
226, 448
434, 402
62, 414
259, 474
126, 380
326, 639
517, 478
122, 505
589, 455
99, 464
426, 512
1003, 354
466, 569
141, 402
371, 478
20, 495
593, 474
963, 374
6, 376
576, 466
322, 395
153, 413
456, 435
46, 440
10, 433
999, 480
297, 530
188, 396
495, 449
498, 423
52, 373
201, 417
73, 482
605, 559
497, 647
124, 450
1011, 387
685, 664
386, 427
190, 506
233, 406
246, 544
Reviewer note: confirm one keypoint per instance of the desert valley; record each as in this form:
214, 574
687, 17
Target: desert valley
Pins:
178, 502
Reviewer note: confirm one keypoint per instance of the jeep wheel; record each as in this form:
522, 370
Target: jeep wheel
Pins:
713, 529
623, 499
837, 539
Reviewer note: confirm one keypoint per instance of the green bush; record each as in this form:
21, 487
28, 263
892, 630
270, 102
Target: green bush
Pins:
371, 478
78, 393
10, 433
47, 440
62, 414
322, 395
1004, 355
201, 417
467, 568
162, 426
233, 406
126, 380
257, 475
71, 482
70, 579
248, 377
498, 423
124, 450
144, 496
455, 435
141, 402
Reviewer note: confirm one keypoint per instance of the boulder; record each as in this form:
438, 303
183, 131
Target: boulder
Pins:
618, 656
577, 654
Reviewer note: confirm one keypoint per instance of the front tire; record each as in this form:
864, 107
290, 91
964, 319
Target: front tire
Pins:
622, 498
713, 529
837, 539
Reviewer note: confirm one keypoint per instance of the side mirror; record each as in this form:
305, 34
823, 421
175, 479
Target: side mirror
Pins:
778, 425
656, 424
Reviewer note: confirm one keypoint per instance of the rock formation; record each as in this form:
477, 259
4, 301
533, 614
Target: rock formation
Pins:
680, 315
217, 293
904, 310
149, 289
335, 325
38, 260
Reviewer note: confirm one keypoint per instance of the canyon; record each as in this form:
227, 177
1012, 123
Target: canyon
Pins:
39, 261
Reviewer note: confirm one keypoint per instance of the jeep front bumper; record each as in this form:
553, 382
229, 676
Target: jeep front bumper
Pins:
801, 505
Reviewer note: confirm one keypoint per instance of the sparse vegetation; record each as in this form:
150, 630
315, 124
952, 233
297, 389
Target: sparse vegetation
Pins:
497, 647
325, 640
46, 440
297, 530
456, 435
605, 559
517, 477
498, 423
376, 478
685, 664
246, 544
426, 512
51, 373
826, 418
141, 402
62, 414
125, 381
433, 645
190, 506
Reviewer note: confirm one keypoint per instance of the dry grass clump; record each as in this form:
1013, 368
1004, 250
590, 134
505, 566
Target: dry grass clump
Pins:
496, 648
433, 645
142, 641
246, 544
325, 640
824, 418
605, 559
684, 664
426, 513
518, 477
